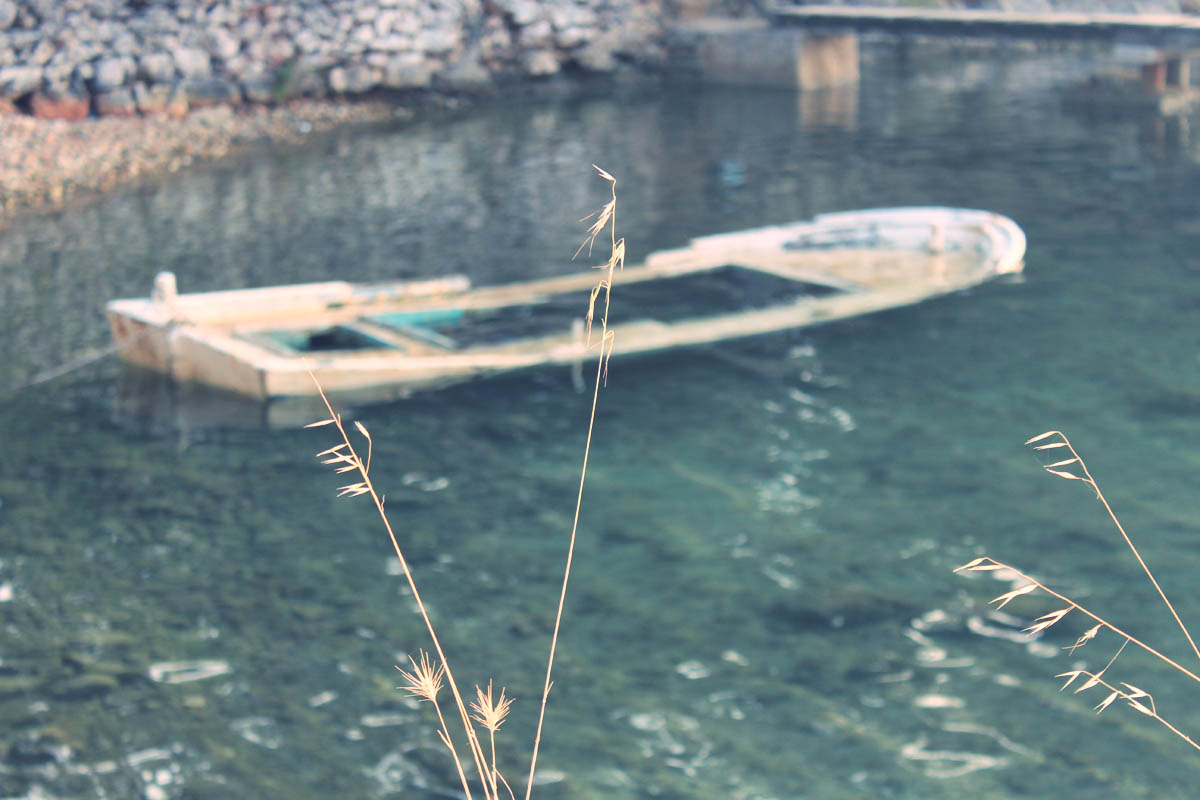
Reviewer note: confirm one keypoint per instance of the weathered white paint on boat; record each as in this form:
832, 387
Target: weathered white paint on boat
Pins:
874, 260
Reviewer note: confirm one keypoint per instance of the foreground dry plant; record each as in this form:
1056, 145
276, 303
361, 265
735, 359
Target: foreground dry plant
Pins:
426, 677
1073, 468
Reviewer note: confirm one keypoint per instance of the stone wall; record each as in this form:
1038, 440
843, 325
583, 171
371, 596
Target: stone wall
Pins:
68, 58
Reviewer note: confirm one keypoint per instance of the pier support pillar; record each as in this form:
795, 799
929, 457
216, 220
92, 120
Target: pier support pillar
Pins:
1154, 78
1178, 72
823, 62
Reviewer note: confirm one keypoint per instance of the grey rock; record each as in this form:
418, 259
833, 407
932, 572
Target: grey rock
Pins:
112, 73
495, 43
279, 50
117, 103
563, 17
8, 14
192, 62
220, 44
104, 8
56, 78
574, 36
337, 80
393, 43
439, 40
154, 20
211, 92
598, 55
249, 29
385, 22
22, 41
308, 83
261, 87
356, 79
218, 14
238, 66
126, 44
42, 53
26, 19
469, 8
83, 73
573, 25
537, 34
465, 75
408, 71
19, 80
408, 24
105, 31
539, 63
156, 68
307, 42
521, 12
152, 99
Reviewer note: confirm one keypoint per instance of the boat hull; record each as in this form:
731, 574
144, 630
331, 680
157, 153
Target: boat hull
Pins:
387, 339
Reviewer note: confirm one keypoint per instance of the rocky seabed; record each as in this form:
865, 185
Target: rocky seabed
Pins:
68, 59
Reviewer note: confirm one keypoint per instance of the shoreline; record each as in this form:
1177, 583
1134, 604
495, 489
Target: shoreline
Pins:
47, 165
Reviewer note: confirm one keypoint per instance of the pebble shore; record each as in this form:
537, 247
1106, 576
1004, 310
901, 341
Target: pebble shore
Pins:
45, 164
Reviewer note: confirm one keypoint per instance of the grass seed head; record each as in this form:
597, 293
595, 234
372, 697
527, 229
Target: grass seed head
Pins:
488, 713
424, 682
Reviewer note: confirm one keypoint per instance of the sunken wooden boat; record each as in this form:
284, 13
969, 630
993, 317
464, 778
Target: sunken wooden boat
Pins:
379, 341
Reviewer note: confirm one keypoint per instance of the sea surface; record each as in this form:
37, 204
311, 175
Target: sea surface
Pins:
762, 604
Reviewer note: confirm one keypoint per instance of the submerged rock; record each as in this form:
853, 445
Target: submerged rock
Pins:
81, 687
17, 684
187, 671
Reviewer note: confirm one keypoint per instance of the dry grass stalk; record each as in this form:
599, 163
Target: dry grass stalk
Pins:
425, 680
1074, 468
606, 217
347, 459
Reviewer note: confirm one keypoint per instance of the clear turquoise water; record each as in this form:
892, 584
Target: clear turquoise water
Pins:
762, 604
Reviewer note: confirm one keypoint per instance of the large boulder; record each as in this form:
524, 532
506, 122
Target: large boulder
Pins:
19, 80
521, 12
355, 79
407, 71
361, 78
156, 67
212, 92
599, 54
221, 44
117, 103
8, 14
152, 99
261, 87
539, 63
112, 73
467, 74
192, 62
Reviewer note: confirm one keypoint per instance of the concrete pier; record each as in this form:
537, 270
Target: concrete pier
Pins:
753, 53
